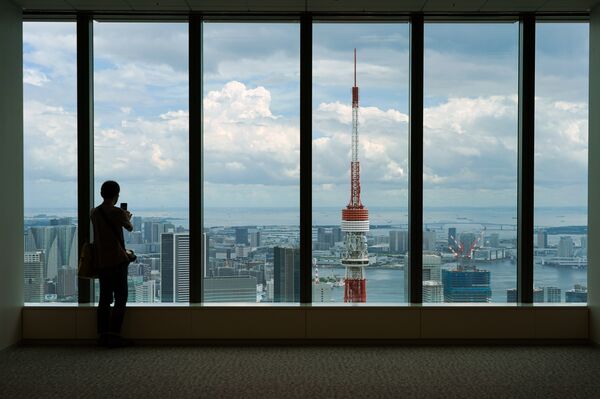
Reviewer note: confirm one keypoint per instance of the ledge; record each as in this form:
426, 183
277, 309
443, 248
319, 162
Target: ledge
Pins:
308, 322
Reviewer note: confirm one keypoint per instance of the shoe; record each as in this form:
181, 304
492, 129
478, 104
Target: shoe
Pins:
116, 341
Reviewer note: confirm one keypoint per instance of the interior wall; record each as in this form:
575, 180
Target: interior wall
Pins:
594, 179
11, 173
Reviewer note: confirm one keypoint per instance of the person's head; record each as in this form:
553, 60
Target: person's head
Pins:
110, 191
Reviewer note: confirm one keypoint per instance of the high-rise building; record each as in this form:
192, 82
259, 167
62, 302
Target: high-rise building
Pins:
538, 295
66, 285
494, 240
565, 247
230, 289
241, 235
432, 267
59, 244
576, 294
432, 291
182, 267
337, 235
33, 272
255, 239
452, 238
167, 258
286, 269
553, 294
429, 240
398, 241
542, 238
321, 293
136, 221
466, 285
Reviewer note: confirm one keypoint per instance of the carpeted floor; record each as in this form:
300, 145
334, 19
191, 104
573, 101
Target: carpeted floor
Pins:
301, 372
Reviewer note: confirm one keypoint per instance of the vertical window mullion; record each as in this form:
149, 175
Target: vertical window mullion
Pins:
415, 182
306, 159
525, 159
85, 140
196, 181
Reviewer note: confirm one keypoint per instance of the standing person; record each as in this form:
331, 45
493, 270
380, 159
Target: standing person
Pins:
112, 261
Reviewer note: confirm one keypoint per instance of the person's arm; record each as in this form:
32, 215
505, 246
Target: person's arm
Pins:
125, 221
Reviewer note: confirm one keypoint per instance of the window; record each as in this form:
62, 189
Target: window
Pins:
251, 159
251, 142
50, 161
470, 162
141, 141
360, 234
561, 162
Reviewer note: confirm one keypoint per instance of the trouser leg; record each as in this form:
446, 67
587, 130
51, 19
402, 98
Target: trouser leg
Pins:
106, 299
121, 291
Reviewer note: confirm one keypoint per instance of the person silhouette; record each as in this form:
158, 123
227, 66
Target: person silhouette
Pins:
112, 261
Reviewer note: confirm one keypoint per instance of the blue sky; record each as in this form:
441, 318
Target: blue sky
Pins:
251, 132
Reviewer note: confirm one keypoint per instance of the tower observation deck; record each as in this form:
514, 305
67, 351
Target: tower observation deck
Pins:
355, 220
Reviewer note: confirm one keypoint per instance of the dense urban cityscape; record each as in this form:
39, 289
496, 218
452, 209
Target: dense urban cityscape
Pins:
261, 263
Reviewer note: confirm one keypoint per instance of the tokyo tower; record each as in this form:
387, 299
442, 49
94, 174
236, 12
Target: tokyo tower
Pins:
355, 220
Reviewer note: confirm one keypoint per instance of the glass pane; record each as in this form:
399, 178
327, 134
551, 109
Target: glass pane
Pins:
251, 162
141, 141
470, 162
50, 161
360, 162
561, 162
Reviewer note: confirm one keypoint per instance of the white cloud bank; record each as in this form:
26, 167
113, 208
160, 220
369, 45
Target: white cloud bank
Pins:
470, 145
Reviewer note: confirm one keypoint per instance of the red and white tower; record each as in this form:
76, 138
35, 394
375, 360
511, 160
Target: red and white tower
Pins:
355, 220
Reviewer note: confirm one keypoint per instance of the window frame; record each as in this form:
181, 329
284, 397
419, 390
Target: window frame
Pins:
525, 166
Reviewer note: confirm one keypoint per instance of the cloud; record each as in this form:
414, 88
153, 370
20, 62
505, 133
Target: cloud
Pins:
34, 77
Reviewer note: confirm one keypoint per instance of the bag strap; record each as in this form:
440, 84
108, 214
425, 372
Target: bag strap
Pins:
112, 228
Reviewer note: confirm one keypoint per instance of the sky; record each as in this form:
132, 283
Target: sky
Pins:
251, 113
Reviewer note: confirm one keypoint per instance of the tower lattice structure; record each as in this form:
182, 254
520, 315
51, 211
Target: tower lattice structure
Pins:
355, 220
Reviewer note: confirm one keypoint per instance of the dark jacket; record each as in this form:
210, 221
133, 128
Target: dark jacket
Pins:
109, 252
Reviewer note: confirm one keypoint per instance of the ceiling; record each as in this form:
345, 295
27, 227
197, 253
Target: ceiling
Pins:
382, 6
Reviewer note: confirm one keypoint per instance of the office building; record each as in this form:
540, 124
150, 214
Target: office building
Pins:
33, 272
466, 285
429, 240
254, 239
398, 241
577, 294
66, 284
286, 274
538, 295
432, 291
182, 266
542, 238
241, 235
230, 289
321, 293
432, 267
565, 247
553, 294
167, 259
